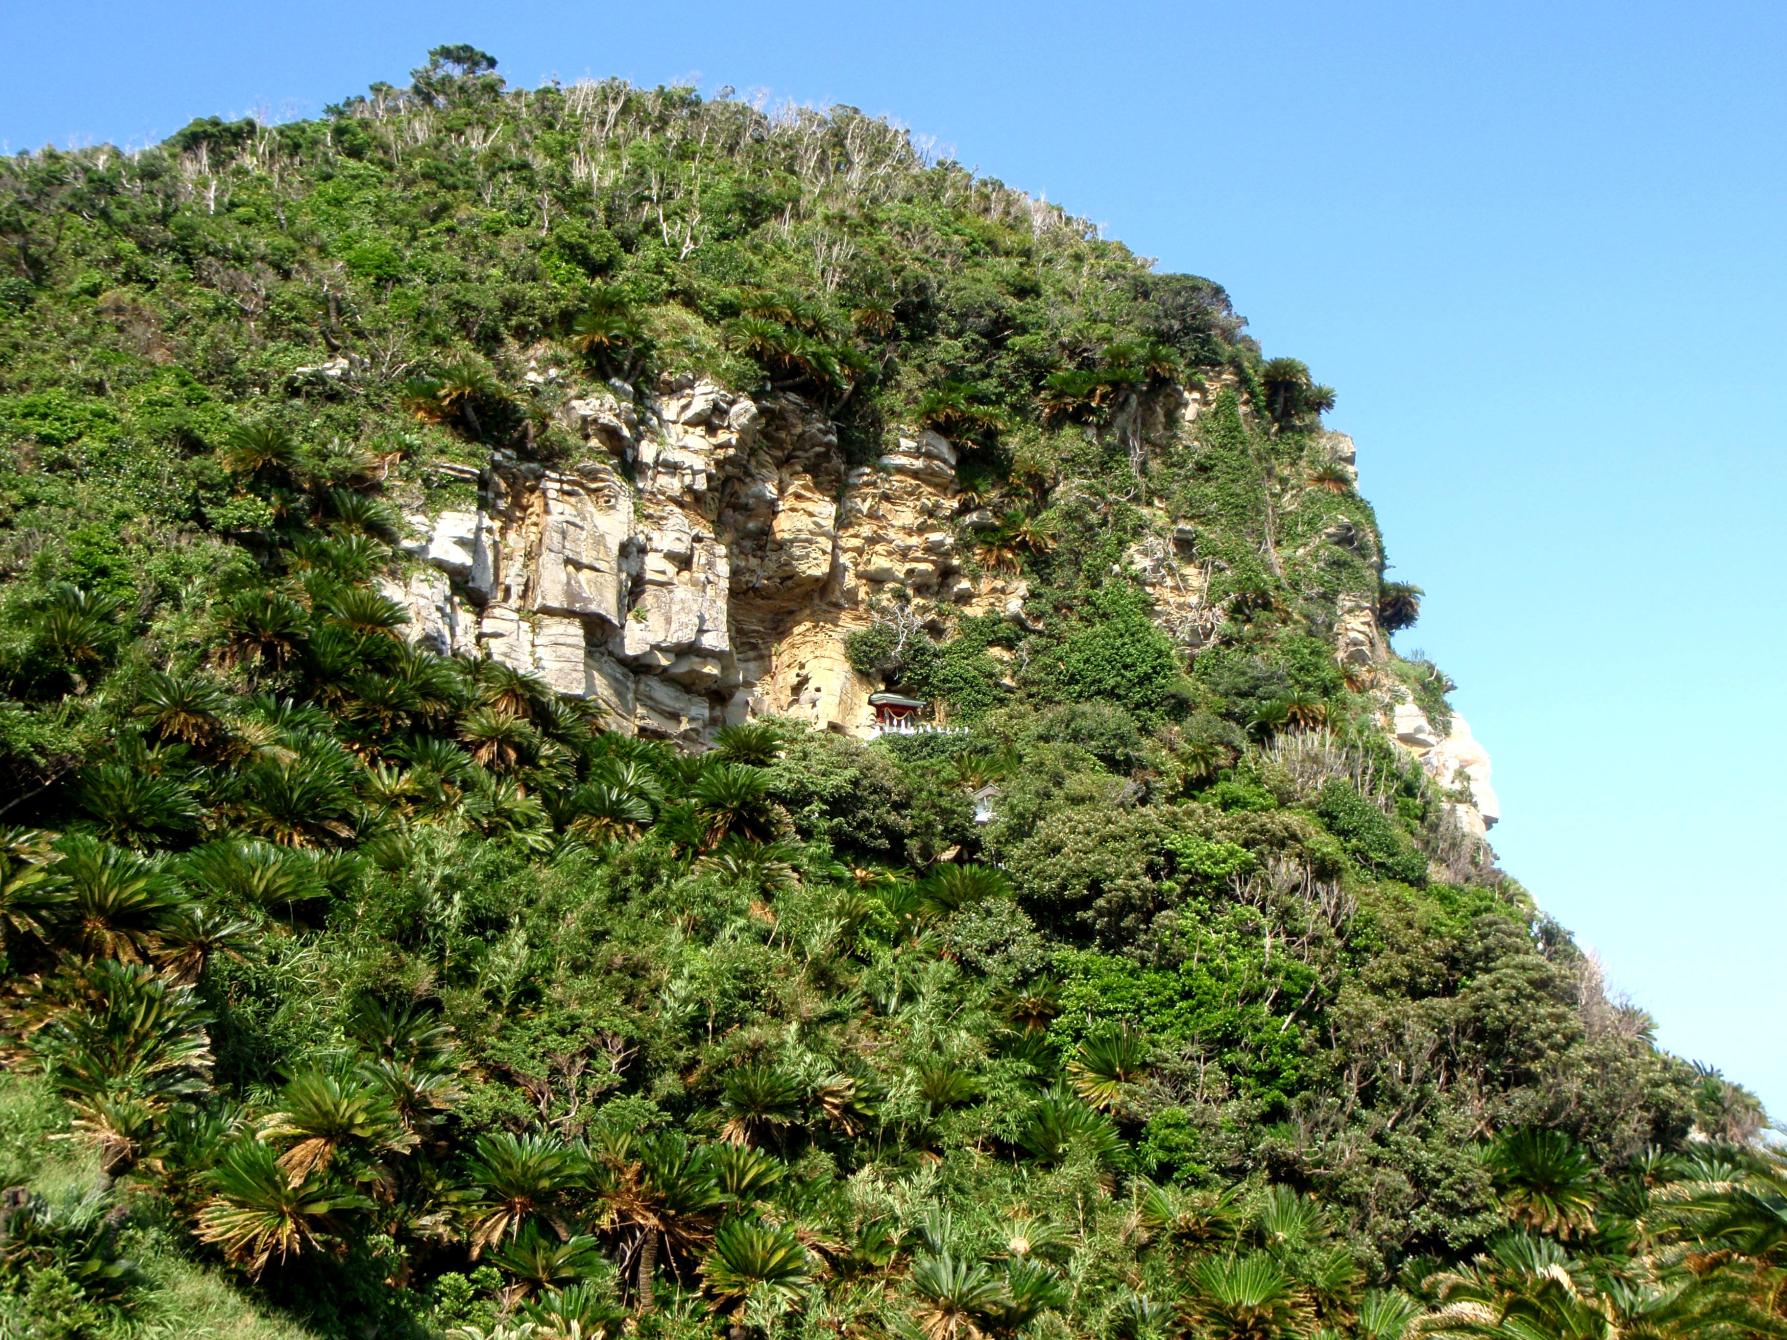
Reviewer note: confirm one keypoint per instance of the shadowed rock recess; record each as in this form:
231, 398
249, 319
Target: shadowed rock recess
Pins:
628, 714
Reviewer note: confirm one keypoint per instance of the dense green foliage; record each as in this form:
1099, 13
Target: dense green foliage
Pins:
355, 990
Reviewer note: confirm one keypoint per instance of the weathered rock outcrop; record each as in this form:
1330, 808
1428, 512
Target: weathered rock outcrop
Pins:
701, 564
1458, 764
705, 558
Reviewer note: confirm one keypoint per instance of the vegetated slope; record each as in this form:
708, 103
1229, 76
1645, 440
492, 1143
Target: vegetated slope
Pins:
360, 989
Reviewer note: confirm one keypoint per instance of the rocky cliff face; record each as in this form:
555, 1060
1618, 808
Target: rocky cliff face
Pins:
702, 564
706, 558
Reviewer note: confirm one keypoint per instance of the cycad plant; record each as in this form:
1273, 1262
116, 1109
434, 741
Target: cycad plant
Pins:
1062, 1122
360, 514
194, 935
1546, 1182
185, 709
124, 1047
603, 812
1246, 1298
118, 901
953, 1295
536, 1262
261, 629
500, 740
256, 1215
515, 1180
759, 1264
578, 1312
760, 1102
949, 888
364, 612
1028, 1288
742, 1173
754, 742
659, 1198
326, 1114
734, 799
252, 873
263, 451
130, 805
304, 801
33, 895
72, 1236
1106, 1067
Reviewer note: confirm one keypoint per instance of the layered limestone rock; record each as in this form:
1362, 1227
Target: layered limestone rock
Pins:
702, 563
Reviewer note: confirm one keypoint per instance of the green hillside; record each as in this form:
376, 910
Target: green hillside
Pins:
355, 990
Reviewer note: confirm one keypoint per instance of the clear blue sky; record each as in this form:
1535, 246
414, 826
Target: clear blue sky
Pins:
1537, 247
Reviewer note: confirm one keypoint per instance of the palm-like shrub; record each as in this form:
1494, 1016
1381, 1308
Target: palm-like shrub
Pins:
1137, 1316
1385, 1314
661, 1197
536, 1262
127, 803
73, 630
419, 1094
760, 1264
298, 802
954, 1295
754, 742
361, 514
249, 872
1736, 1205
943, 1083
731, 798
1522, 1288
603, 812
336, 561
365, 612
1028, 1289
256, 1215
499, 740
958, 410
1292, 396
126, 1048
437, 765
1246, 1298
760, 1102
503, 688
1398, 605
1031, 1006
849, 1103
515, 1179
580, 1312
193, 936
33, 896
183, 708
118, 901
761, 868
1107, 1065
606, 334
463, 393
1546, 1182
949, 888
75, 1236
327, 1114
379, 706
263, 450
1062, 1122
262, 628
500, 809
743, 1173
